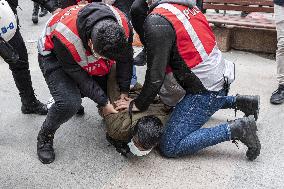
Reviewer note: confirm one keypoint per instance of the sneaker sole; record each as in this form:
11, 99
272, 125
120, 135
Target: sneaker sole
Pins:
277, 102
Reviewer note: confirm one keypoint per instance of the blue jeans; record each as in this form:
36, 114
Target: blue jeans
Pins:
183, 133
134, 76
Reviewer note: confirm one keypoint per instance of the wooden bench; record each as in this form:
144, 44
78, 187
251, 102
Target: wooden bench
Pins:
249, 33
240, 5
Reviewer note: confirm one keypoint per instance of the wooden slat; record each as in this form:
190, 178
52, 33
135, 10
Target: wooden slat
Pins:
241, 2
238, 21
239, 8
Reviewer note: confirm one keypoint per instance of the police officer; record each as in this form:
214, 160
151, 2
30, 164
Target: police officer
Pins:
178, 37
18, 53
76, 52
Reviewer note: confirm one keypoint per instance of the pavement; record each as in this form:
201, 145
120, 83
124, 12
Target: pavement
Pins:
84, 159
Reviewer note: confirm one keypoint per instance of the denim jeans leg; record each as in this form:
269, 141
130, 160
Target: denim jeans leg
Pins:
183, 134
134, 77
64, 91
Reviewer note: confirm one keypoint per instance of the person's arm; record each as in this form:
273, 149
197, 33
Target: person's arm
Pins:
159, 38
124, 67
88, 86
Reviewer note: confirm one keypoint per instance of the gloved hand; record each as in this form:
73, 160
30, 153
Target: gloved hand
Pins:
7, 52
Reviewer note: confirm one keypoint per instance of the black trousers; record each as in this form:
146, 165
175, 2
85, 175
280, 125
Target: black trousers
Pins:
138, 12
64, 90
20, 69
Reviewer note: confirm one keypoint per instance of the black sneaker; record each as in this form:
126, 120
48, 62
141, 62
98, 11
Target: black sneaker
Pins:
45, 149
244, 129
277, 96
36, 107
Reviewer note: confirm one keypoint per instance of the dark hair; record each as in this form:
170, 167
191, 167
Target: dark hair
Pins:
109, 40
148, 131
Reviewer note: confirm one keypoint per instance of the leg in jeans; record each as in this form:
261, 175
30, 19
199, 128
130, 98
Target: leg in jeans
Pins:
184, 135
279, 20
63, 89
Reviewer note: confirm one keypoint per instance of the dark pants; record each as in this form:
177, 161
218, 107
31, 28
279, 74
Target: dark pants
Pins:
64, 90
20, 69
138, 12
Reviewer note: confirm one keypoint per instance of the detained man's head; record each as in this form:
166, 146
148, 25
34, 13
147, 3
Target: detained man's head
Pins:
108, 40
147, 133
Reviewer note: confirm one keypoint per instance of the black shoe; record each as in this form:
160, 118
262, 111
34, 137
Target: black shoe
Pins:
249, 105
35, 13
45, 149
81, 111
140, 59
244, 129
277, 96
43, 12
35, 107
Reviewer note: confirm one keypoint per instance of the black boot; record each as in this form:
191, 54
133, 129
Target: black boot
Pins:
140, 59
30, 105
81, 111
249, 105
43, 12
45, 149
244, 129
34, 107
35, 13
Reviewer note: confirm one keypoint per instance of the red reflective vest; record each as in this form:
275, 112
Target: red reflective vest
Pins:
63, 26
196, 44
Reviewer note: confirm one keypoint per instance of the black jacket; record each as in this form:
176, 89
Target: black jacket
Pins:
161, 47
50, 5
87, 18
279, 2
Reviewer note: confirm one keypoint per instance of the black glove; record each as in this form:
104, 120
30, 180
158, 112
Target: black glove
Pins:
7, 52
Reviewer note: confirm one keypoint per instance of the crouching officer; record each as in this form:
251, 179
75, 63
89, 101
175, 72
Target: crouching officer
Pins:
178, 37
14, 52
76, 52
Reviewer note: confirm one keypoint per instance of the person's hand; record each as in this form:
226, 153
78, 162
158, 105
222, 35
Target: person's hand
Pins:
123, 96
108, 109
123, 104
56, 11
